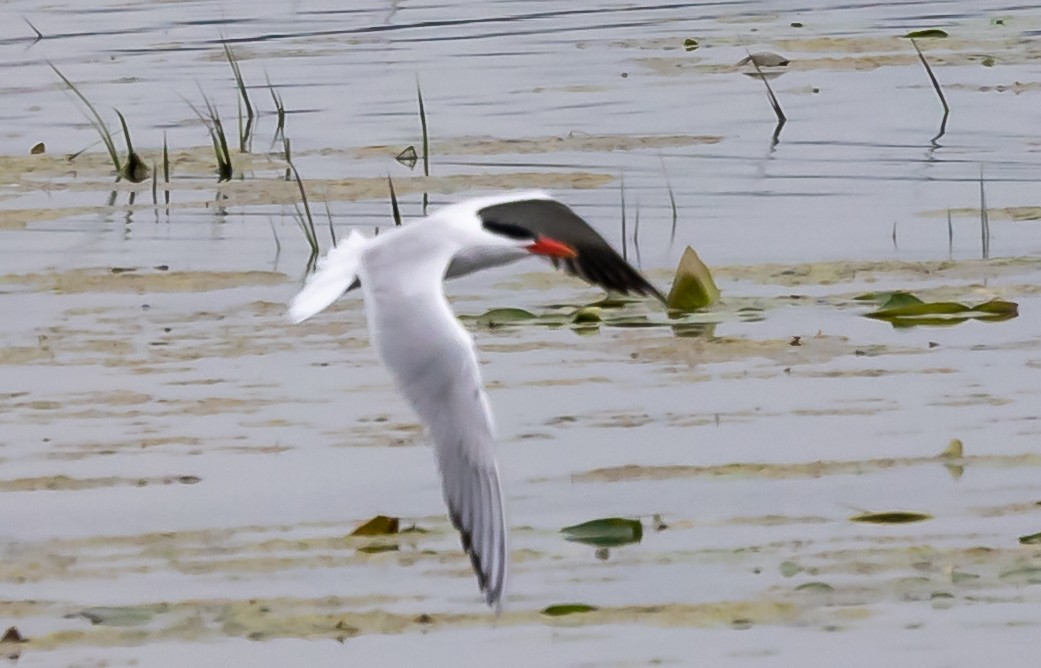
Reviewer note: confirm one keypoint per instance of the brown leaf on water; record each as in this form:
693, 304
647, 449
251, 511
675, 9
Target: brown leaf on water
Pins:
381, 525
13, 635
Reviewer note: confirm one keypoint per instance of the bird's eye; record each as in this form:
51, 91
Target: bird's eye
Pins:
509, 230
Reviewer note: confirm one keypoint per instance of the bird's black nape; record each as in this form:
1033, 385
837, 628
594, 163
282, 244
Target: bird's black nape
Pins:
595, 261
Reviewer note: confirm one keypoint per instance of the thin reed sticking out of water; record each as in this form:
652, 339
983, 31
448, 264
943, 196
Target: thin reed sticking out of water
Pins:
950, 235
135, 170
625, 246
245, 131
636, 233
781, 118
39, 35
984, 220
939, 92
672, 203
95, 121
303, 217
280, 111
220, 142
329, 217
426, 142
394, 210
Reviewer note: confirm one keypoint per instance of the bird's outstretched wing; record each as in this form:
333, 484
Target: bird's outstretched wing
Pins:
336, 272
445, 390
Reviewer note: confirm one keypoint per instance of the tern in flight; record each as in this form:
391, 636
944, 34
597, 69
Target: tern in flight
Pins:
429, 353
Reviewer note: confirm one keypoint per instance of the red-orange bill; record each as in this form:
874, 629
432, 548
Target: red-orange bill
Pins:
551, 247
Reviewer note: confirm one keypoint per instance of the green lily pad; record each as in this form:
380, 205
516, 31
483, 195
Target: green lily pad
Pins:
955, 450
693, 287
690, 44
378, 549
929, 32
902, 309
891, 517
606, 532
1024, 575
586, 315
819, 587
381, 525
789, 568
1032, 539
116, 616
562, 609
504, 316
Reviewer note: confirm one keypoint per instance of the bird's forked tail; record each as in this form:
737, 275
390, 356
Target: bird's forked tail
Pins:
335, 273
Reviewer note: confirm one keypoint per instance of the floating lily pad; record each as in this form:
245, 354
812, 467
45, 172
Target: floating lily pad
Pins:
929, 32
504, 316
116, 616
606, 532
690, 44
1024, 575
38, 148
381, 525
815, 587
1032, 539
764, 59
587, 315
902, 309
789, 568
891, 517
562, 609
377, 549
693, 287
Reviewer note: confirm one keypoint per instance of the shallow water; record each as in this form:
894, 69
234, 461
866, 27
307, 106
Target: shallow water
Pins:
179, 466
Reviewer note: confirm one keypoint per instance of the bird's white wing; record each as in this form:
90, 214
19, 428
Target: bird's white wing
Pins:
445, 390
335, 273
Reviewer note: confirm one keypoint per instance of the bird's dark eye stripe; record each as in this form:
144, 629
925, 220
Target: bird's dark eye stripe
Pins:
508, 230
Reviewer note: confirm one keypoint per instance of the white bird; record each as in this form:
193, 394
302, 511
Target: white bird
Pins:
429, 353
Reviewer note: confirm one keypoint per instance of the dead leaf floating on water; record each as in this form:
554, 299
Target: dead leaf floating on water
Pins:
381, 525
891, 517
12, 635
605, 532
562, 609
1032, 539
38, 148
930, 32
954, 450
764, 59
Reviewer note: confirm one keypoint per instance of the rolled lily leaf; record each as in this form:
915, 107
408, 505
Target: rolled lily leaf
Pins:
504, 316
693, 287
606, 532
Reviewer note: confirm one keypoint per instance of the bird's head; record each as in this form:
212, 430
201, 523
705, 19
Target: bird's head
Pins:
506, 224
501, 233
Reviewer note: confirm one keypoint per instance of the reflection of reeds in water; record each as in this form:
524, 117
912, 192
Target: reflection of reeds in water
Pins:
781, 118
672, 204
245, 129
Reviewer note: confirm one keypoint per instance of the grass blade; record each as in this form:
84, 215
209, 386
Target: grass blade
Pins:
625, 245
135, 170
95, 120
936, 87
984, 220
236, 71
329, 216
280, 111
305, 219
950, 235
394, 203
39, 35
426, 141
672, 204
